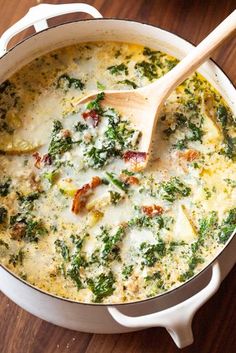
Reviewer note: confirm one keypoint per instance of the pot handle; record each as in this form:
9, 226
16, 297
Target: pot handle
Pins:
37, 16
177, 319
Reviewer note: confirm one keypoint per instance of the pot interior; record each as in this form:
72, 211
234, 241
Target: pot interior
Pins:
111, 30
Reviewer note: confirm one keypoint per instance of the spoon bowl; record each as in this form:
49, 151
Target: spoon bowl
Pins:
137, 106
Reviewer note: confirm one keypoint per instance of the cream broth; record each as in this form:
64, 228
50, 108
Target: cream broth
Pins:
79, 218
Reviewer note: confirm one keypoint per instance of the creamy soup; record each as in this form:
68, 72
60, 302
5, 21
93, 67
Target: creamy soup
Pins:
79, 216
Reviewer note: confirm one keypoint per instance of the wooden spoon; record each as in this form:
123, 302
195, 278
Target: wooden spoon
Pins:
143, 105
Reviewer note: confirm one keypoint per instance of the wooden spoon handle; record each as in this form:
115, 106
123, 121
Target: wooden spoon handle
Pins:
194, 59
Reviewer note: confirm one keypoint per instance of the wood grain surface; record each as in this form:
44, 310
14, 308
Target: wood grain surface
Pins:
215, 323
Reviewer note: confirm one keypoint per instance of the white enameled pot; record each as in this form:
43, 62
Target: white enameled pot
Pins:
175, 309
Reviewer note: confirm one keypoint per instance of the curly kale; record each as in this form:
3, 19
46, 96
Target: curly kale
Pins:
3, 215
60, 143
147, 69
208, 226
151, 252
118, 69
96, 103
62, 248
5, 187
228, 226
173, 189
66, 82
17, 259
111, 248
102, 286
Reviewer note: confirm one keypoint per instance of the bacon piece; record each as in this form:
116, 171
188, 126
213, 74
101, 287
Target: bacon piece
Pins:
18, 231
37, 158
130, 180
80, 198
47, 159
86, 115
96, 181
190, 155
153, 210
135, 157
82, 194
93, 115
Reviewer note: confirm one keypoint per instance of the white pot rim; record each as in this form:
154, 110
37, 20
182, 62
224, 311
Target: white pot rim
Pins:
116, 19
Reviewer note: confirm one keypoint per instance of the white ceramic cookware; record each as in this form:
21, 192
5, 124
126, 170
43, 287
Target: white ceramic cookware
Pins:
175, 309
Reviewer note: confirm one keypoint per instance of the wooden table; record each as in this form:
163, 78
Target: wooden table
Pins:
215, 323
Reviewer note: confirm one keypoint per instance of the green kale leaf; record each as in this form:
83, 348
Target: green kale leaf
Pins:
17, 259
5, 187
102, 286
118, 69
65, 82
173, 189
60, 142
3, 215
151, 252
147, 69
228, 226
63, 249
